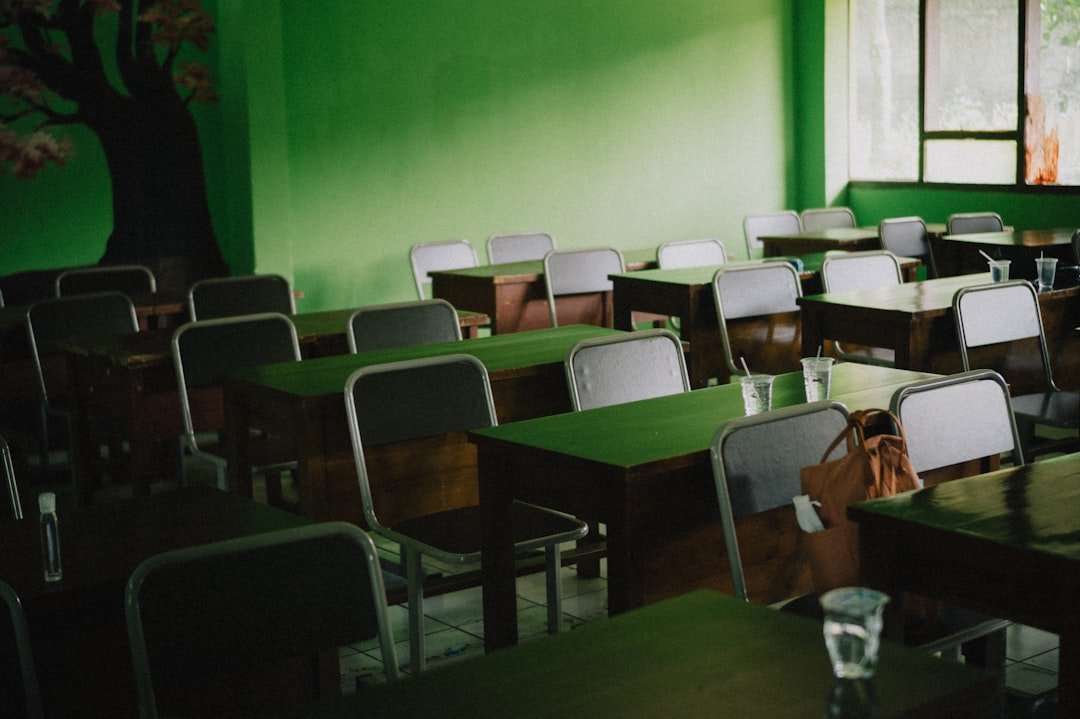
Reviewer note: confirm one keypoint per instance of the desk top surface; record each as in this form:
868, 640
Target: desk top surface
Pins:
668, 428
1019, 238
703, 274
702, 654
534, 269
839, 235
1034, 507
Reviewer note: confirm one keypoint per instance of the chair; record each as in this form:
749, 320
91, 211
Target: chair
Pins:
402, 324
625, 368
580, 272
518, 247
9, 480
203, 352
129, 279
1075, 246
218, 297
690, 253
766, 292
756, 463
826, 218
776, 223
860, 271
52, 322
19, 696
206, 623
427, 405
994, 317
906, 237
963, 223
434, 256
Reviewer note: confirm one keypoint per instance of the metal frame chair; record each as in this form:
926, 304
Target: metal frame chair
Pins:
518, 247
860, 271
690, 253
751, 290
9, 480
1007, 312
203, 351
964, 223
625, 368
756, 225
826, 218
129, 279
1075, 246
402, 324
571, 272
907, 237
230, 605
219, 297
417, 400
29, 703
429, 257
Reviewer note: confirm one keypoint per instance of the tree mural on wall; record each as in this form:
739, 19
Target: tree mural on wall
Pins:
112, 65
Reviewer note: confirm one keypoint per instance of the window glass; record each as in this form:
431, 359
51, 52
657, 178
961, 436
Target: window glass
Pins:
1053, 123
971, 161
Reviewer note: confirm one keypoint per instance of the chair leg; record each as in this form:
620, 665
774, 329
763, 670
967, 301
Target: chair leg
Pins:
414, 574
553, 562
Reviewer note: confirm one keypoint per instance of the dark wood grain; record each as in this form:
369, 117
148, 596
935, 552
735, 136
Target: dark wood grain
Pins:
960, 254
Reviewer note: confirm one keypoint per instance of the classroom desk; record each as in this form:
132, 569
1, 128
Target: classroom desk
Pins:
643, 468
916, 320
959, 254
77, 625
688, 294
514, 297
130, 379
1006, 543
837, 238
699, 655
304, 401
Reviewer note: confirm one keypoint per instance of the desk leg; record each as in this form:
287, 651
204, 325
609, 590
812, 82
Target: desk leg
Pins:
813, 335
622, 312
83, 440
238, 450
626, 563
1069, 654
497, 563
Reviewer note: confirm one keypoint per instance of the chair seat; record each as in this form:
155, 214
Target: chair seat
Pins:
454, 535
1057, 409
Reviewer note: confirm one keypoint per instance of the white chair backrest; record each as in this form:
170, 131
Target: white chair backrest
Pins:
955, 419
860, 271
993, 313
963, 223
904, 236
129, 279
569, 272
402, 324
218, 297
690, 253
827, 218
755, 226
434, 256
753, 290
625, 368
518, 247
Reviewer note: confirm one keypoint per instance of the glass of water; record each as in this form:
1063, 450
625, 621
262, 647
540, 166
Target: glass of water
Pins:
853, 620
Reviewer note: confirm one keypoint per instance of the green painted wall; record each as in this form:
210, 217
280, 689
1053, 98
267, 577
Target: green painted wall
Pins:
1023, 211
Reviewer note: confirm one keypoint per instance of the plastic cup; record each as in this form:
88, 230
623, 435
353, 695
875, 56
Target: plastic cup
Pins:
999, 270
1047, 267
756, 393
817, 376
852, 630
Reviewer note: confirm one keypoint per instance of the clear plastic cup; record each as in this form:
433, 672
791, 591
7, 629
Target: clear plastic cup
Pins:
999, 270
1047, 267
852, 629
817, 377
756, 393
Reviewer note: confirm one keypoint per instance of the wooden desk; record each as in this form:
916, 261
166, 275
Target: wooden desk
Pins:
304, 401
77, 625
688, 294
513, 295
959, 254
838, 238
699, 655
1006, 543
916, 320
643, 468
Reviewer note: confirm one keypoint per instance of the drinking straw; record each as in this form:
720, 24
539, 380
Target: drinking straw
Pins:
989, 259
819, 351
745, 368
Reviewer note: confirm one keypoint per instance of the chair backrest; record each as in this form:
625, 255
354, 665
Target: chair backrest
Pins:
8, 468
956, 419
860, 271
826, 218
410, 400
690, 253
54, 321
769, 288
19, 696
218, 297
434, 256
571, 272
226, 610
625, 368
906, 237
757, 460
518, 247
755, 226
402, 324
129, 279
204, 351
962, 223
994, 314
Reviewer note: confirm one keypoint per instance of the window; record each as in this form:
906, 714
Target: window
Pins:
965, 91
